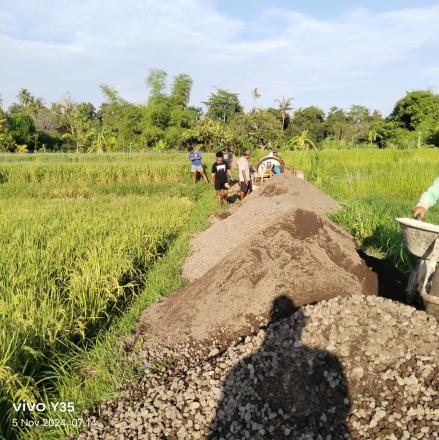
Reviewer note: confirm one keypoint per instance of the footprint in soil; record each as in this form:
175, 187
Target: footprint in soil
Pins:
286, 390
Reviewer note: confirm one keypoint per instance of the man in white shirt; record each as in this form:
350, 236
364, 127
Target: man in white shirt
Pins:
244, 174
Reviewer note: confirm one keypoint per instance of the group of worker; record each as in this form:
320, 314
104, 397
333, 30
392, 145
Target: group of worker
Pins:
222, 172
224, 161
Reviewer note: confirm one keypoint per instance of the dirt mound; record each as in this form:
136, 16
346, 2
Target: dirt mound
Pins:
289, 185
232, 356
348, 368
301, 255
259, 210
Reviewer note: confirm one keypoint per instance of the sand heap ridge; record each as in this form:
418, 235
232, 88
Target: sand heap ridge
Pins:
281, 194
278, 242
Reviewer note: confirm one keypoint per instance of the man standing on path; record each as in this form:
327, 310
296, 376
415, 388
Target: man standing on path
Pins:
244, 174
220, 175
196, 165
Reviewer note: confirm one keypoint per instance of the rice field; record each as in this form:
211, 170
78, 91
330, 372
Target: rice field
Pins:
77, 239
85, 239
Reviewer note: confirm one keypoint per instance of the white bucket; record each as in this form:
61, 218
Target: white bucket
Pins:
419, 236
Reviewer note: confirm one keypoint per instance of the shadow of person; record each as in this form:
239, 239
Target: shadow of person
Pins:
285, 390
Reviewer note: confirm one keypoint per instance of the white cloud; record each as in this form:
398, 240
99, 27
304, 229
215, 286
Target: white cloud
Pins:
78, 45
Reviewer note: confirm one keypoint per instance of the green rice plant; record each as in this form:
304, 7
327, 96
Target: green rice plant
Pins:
78, 237
84, 375
315, 167
94, 173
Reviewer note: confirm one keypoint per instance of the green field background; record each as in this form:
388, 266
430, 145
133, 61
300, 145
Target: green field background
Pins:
88, 241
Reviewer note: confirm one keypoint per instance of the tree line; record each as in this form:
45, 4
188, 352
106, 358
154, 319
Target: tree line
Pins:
167, 122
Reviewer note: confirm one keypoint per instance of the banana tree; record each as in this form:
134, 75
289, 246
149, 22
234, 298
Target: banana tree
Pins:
301, 142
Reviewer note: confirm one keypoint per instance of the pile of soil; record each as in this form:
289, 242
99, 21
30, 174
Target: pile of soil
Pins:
348, 368
232, 356
230, 231
301, 255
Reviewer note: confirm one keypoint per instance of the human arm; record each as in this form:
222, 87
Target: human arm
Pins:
228, 172
419, 211
427, 200
244, 175
244, 171
213, 171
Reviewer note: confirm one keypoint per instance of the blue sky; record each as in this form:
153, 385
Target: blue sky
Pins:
318, 52
319, 9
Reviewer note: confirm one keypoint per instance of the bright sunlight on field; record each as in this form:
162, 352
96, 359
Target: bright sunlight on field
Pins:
77, 240
80, 234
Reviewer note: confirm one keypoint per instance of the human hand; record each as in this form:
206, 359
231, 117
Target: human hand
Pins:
419, 212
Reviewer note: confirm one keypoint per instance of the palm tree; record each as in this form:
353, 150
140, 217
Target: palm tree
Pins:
284, 107
32, 106
24, 97
255, 96
301, 142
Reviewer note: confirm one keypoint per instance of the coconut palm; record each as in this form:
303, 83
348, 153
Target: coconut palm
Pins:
255, 96
284, 107
24, 97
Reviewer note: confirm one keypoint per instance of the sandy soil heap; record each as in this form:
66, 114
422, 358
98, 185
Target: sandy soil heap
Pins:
265, 206
348, 368
249, 259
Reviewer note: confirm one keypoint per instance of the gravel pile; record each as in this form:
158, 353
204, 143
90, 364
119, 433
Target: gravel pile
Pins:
348, 368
